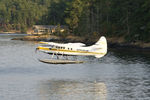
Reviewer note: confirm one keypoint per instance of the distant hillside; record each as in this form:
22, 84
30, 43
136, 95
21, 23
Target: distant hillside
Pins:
128, 19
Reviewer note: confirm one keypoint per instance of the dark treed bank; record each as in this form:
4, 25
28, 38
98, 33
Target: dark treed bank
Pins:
112, 42
127, 19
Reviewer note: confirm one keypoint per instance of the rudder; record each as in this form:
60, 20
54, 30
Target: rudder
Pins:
102, 44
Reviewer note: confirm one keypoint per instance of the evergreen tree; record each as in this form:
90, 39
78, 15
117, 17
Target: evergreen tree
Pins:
74, 12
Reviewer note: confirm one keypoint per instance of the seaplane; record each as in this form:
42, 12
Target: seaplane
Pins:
98, 50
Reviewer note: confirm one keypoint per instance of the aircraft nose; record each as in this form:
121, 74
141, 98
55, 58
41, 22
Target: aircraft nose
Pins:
37, 49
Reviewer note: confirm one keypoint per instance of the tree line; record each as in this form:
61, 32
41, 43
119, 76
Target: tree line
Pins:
114, 18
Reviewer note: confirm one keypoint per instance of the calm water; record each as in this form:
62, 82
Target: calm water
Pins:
120, 75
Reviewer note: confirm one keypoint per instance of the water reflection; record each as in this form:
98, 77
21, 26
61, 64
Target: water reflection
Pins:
72, 90
132, 55
121, 74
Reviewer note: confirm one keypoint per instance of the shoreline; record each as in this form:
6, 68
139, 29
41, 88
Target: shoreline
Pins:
116, 42
112, 42
128, 46
11, 33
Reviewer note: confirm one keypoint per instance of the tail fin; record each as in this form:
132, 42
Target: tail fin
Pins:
101, 47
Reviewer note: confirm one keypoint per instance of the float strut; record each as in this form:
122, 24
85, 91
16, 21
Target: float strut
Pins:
52, 56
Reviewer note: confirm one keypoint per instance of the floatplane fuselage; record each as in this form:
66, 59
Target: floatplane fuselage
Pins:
99, 49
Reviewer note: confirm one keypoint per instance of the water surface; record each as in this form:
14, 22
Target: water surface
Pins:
121, 75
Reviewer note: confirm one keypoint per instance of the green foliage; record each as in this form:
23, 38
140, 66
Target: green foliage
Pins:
114, 18
20, 13
23, 29
73, 13
59, 33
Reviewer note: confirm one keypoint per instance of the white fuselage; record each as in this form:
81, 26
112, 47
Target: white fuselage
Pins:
74, 49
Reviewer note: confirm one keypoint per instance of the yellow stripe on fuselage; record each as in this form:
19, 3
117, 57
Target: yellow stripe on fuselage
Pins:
62, 50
